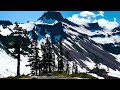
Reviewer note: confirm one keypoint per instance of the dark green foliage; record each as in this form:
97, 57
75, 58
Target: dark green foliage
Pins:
48, 57
80, 75
60, 56
56, 73
67, 67
19, 77
34, 58
47, 63
44, 58
74, 68
18, 42
100, 72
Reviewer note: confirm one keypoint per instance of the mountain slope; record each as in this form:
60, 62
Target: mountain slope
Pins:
85, 44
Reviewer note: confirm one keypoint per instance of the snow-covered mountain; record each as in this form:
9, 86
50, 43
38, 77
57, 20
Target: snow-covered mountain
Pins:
82, 43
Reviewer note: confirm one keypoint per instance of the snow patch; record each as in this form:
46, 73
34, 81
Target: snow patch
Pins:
29, 26
5, 31
8, 65
106, 40
90, 64
65, 41
95, 75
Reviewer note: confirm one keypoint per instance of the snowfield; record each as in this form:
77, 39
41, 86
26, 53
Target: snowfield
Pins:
8, 65
29, 26
4, 32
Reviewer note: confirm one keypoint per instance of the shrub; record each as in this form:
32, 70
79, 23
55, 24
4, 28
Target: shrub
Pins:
83, 75
56, 73
100, 72
18, 77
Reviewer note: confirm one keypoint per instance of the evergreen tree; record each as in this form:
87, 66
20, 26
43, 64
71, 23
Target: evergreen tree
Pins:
48, 56
53, 61
60, 56
49, 52
50, 60
44, 58
97, 62
73, 67
34, 57
67, 67
19, 43
76, 68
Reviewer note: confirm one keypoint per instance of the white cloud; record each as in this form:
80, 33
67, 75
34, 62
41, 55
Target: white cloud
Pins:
108, 24
87, 14
75, 18
89, 17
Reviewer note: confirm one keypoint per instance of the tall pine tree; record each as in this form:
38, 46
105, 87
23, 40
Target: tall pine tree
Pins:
34, 58
60, 57
67, 67
48, 56
44, 58
19, 42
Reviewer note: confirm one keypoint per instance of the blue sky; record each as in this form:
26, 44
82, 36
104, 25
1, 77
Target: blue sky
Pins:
24, 16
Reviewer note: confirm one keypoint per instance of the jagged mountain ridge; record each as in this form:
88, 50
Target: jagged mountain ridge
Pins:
78, 40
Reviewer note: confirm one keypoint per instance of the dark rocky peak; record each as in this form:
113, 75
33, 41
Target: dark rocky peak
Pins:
52, 15
5, 22
93, 26
59, 24
116, 29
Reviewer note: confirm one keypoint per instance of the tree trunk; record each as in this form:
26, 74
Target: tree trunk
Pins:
18, 65
36, 60
49, 65
58, 64
36, 68
39, 68
49, 59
